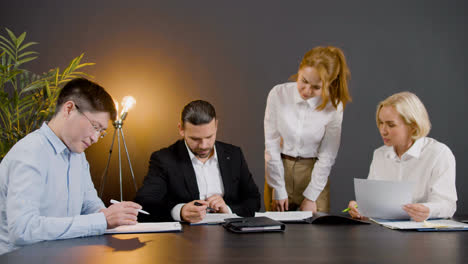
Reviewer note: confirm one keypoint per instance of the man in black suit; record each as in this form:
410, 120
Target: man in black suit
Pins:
197, 173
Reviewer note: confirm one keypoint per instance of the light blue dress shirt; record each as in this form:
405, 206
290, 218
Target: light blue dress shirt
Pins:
46, 193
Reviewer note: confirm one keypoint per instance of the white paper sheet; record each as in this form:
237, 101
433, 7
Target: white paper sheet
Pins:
215, 219
383, 199
146, 228
289, 216
442, 224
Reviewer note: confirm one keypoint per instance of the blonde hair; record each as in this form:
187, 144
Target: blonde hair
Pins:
331, 66
411, 110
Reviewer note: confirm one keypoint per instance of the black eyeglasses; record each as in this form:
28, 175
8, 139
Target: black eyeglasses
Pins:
99, 132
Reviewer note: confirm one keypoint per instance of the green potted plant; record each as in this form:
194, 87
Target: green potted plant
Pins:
27, 99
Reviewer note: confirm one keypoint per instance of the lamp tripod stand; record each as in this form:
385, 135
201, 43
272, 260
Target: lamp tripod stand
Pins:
118, 130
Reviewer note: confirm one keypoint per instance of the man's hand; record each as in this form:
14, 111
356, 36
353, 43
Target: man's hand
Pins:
124, 213
217, 202
417, 212
193, 213
308, 205
280, 205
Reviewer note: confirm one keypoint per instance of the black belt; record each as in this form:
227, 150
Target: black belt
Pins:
284, 156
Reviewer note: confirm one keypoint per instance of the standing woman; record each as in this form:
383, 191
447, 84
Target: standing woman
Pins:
302, 132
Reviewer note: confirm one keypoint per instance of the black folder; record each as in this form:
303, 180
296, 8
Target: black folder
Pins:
253, 225
328, 219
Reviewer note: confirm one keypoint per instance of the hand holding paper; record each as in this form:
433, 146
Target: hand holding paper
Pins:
417, 212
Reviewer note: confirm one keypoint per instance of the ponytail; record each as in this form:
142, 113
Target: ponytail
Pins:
331, 65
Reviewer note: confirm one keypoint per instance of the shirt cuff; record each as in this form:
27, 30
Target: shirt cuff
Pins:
311, 193
432, 210
280, 194
175, 212
229, 209
98, 223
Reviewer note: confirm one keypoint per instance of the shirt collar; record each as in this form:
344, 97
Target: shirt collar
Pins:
414, 151
192, 156
312, 102
55, 141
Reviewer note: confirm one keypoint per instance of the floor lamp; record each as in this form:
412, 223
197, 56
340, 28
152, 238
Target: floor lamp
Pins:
127, 103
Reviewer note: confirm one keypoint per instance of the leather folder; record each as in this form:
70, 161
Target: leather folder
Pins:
253, 225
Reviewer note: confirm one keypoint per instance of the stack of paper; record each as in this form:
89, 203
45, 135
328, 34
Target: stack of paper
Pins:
429, 225
215, 219
383, 199
146, 228
289, 216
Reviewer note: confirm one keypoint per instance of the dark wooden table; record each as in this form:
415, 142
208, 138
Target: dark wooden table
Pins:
300, 243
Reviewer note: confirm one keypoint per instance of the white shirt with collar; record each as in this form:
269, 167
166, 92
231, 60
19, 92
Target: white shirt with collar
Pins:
294, 127
428, 163
209, 180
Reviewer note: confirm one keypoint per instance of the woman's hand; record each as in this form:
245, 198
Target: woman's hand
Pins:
308, 205
280, 205
417, 212
353, 211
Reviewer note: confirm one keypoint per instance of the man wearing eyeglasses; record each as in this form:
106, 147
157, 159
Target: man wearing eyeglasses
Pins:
46, 192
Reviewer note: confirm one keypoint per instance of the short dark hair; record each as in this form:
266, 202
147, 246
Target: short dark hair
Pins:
198, 112
88, 95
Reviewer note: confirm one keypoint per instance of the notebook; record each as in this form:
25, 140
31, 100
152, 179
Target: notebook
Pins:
428, 225
146, 228
253, 225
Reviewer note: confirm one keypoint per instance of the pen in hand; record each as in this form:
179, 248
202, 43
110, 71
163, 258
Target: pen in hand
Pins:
112, 201
347, 209
208, 209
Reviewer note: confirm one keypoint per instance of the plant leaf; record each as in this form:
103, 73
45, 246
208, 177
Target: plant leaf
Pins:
18, 63
27, 45
27, 53
84, 65
47, 89
33, 86
12, 36
7, 49
20, 39
7, 42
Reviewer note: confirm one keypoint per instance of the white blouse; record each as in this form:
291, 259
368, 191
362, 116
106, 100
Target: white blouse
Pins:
428, 163
294, 127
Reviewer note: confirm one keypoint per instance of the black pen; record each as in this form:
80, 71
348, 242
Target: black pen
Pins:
208, 209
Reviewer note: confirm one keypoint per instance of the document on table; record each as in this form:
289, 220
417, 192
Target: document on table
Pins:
290, 216
215, 219
428, 225
146, 228
383, 199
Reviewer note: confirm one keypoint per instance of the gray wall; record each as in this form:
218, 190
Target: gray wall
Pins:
232, 53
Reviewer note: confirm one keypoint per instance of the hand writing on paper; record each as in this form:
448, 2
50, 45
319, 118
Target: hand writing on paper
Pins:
217, 202
194, 213
354, 212
124, 213
280, 205
308, 205
417, 212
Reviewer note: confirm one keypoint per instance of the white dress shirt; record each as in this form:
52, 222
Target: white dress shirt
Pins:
209, 180
294, 127
428, 163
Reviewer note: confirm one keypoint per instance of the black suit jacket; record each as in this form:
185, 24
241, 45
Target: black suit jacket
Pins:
171, 180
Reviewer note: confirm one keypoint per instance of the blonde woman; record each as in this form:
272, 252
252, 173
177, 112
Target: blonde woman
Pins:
409, 155
302, 132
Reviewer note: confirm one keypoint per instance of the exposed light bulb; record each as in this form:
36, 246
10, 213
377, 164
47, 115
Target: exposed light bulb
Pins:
127, 103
